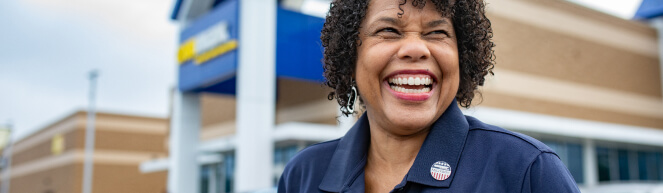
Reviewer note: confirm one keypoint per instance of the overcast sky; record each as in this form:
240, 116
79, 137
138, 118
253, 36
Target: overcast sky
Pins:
47, 48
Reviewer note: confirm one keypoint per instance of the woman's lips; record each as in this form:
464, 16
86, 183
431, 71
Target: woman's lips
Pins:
411, 85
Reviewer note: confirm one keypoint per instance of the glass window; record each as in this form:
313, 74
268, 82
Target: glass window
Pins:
204, 179
229, 170
291, 152
642, 166
659, 161
624, 172
282, 156
575, 162
652, 166
278, 155
210, 178
629, 165
603, 159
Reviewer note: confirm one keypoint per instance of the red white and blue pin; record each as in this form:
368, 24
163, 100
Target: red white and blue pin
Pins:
440, 170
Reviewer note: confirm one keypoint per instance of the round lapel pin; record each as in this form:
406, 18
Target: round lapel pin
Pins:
440, 170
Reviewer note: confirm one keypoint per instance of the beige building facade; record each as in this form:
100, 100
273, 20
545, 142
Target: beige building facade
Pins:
561, 59
51, 160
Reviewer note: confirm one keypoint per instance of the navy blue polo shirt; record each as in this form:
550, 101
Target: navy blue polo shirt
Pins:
481, 157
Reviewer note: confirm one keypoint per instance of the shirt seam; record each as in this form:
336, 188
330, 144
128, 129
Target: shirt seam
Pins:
321, 143
529, 169
353, 175
519, 137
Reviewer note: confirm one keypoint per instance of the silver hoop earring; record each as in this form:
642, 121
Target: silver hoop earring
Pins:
352, 99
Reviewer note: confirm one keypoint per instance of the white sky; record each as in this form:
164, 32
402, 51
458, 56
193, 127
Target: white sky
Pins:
47, 47
620, 8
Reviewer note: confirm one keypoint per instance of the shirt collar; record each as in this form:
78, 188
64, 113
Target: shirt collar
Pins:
349, 157
444, 143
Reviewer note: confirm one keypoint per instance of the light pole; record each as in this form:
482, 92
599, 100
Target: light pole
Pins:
89, 135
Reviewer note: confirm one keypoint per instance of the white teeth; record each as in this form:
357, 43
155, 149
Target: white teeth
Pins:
411, 81
405, 90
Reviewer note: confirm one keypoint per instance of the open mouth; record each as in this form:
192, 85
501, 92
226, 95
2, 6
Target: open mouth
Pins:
411, 83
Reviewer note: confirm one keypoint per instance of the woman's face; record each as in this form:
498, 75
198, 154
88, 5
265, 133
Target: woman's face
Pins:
407, 67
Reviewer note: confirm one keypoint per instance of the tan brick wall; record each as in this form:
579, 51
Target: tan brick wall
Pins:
575, 49
107, 179
121, 144
115, 140
216, 108
56, 180
542, 52
43, 149
295, 92
127, 179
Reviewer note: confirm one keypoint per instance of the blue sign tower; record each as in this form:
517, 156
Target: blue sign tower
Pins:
239, 48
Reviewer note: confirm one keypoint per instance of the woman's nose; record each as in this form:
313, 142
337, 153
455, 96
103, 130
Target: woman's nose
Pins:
413, 49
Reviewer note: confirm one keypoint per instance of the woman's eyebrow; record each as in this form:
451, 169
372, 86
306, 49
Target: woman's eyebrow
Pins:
389, 20
395, 21
437, 23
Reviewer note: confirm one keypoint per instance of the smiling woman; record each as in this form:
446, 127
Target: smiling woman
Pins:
411, 63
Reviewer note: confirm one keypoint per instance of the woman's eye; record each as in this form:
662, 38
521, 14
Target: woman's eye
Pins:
438, 33
388, 30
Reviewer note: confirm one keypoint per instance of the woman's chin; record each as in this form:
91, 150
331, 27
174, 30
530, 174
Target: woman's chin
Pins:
410, 123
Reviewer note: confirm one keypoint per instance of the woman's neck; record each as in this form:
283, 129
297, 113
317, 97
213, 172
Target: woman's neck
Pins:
393, 150
390, 157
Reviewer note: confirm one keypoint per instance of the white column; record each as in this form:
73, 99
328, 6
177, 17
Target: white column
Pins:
184, 172
256, 82
590, 165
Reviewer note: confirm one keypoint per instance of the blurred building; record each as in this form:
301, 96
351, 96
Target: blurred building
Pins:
586, 83
51, 159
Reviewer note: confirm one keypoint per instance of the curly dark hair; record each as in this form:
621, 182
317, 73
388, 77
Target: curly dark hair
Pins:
340, 38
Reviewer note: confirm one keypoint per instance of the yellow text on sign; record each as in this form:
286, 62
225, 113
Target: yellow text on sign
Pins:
206, 45
186, 51
57, 144
214, 52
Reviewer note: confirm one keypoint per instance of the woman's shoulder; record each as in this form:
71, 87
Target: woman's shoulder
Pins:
534, 166
500, 137
314, 154
307, 168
